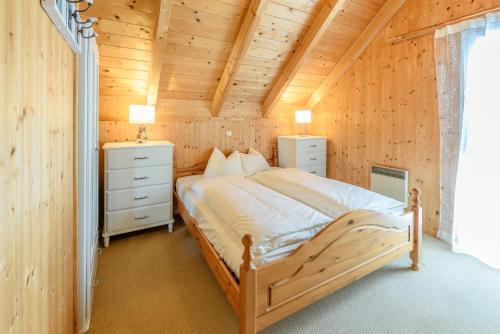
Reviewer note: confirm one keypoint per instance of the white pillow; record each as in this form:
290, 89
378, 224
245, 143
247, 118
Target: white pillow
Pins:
215, 165
233, 165
253, 162
218, 165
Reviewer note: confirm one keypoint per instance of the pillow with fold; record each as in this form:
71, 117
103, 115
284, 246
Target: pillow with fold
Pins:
219, 165
253, 162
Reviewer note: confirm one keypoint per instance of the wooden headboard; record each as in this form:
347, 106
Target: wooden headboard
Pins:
199, 168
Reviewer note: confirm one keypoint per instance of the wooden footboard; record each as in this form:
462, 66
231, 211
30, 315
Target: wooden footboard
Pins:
349, 248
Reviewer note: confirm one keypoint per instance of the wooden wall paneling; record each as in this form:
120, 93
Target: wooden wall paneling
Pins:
333, 44
121, 28
144, 6
116, 63
276, 40
105, 9
36, 173
164, 9
198, 46
126, 31
231, 9
207, 18
238, 53
384, 109
176, 38
201, 29
384, 15
195, 137
125, 53
112, 107
327, 13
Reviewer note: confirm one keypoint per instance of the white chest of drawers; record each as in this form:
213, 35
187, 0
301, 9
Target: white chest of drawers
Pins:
138, 186
303, 152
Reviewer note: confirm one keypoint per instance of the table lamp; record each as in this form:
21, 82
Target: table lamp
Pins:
303, 117
141, 114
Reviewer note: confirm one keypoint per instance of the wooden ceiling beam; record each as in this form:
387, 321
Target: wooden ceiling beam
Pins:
376, 25
159, 43
245, 35
327, 13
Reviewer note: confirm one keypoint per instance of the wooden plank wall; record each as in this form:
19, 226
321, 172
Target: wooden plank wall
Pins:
195, 137
126, 30
384, 110
36, 173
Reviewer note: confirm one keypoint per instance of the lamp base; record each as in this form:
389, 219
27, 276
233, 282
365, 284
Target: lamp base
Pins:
142, 135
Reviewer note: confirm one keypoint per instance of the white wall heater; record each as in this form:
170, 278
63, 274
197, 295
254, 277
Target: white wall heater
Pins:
390, 182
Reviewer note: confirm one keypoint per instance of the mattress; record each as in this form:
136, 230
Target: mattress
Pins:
225, 241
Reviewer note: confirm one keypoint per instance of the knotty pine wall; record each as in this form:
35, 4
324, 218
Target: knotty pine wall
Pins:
195, 137
36, 173
384, 110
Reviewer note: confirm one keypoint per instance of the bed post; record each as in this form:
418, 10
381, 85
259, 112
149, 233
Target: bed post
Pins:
417, 228
247, 305
275, 157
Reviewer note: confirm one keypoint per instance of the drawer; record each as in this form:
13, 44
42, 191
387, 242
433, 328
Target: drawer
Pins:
135, 218
134, 197
312, 158
319, 170
311, 145
138, 177
138, 157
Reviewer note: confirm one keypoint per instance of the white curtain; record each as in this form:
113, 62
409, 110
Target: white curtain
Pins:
468, 73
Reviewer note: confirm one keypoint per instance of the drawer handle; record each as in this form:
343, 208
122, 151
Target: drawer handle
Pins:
313, 159
140, 178
313, 172
139, 198
140, 158
141, 218
313, 145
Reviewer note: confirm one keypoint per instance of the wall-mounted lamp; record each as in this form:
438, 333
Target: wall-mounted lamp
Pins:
141, 114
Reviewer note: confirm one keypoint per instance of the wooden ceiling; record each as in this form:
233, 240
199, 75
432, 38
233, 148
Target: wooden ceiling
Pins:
229, 57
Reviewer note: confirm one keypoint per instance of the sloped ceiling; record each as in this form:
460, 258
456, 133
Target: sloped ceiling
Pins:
200, 40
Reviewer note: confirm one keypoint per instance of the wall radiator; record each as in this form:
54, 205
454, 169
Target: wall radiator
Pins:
390, 182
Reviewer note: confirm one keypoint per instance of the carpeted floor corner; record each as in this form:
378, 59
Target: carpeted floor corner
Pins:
155, 282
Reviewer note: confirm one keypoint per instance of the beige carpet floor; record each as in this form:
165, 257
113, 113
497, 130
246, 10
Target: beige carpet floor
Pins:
153, 282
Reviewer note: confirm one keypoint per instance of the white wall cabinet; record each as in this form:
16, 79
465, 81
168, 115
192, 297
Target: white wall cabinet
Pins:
87, 180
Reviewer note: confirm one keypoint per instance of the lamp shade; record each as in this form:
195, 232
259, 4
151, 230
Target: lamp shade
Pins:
302, 116
141, 114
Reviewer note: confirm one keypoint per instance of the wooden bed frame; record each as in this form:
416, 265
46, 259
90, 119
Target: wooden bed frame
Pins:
347, 249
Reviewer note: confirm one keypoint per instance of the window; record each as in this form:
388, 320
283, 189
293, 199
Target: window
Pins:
477, 197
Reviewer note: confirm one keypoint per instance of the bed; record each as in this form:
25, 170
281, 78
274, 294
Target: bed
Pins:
265, 287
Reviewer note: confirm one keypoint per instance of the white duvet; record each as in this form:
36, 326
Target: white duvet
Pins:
246, 207
331, 197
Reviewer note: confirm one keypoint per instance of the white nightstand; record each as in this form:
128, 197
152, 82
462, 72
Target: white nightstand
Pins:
138, 186
303, 152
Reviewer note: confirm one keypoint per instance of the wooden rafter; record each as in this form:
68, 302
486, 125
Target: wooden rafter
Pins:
327, 13
159, 43
384, 15
240, 48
